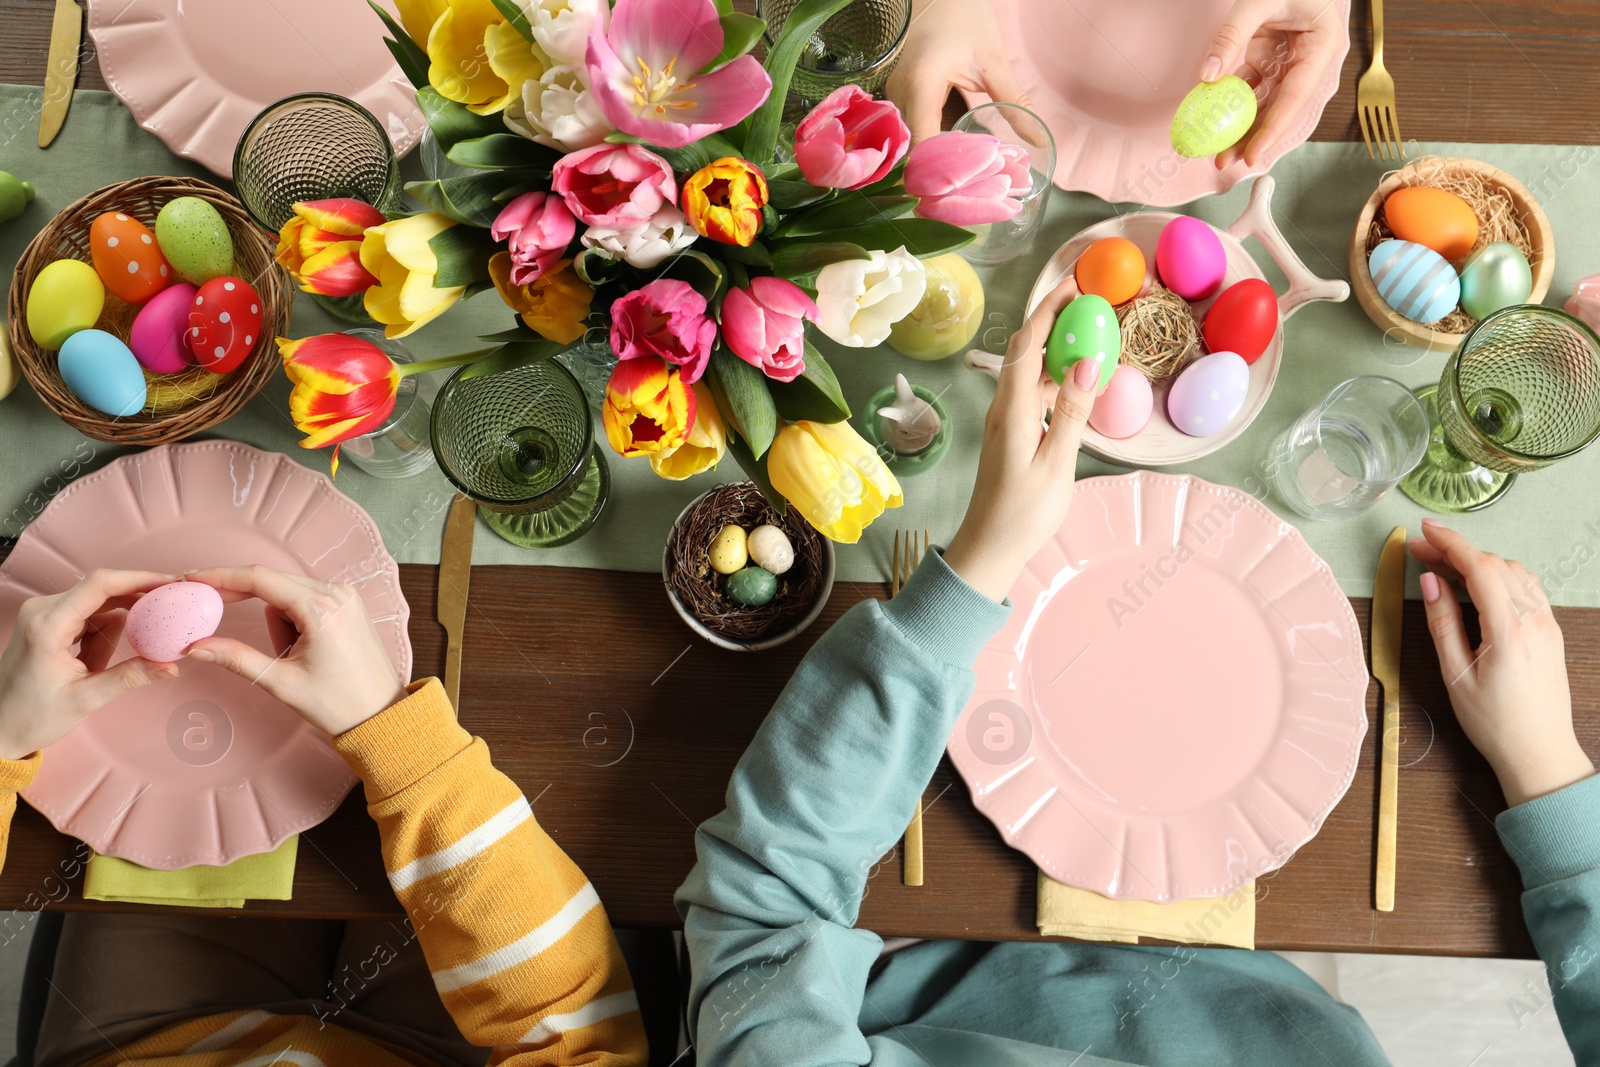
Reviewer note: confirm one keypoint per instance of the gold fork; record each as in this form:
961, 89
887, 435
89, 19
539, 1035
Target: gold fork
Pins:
904, 564
1375, 99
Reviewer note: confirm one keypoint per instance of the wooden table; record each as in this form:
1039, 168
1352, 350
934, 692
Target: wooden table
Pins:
622, 728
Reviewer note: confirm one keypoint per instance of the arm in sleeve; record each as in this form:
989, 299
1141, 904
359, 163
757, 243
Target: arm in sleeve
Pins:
825, 789
15, 776
519, 945
1555, 840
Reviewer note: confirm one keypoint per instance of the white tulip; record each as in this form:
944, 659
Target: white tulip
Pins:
859, 299
557, 109
561, 27
646, 245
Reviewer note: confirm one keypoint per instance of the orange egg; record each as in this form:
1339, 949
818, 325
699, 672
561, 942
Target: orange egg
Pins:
127, 257
1442, 221
1113, 268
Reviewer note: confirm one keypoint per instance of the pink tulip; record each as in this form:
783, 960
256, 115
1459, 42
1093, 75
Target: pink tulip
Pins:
537, 228
765, 326
615, 185
644, 72
967, 178
850, 140
665, 318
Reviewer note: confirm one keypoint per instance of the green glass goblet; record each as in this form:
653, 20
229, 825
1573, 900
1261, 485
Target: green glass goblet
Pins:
1521, 391
521, 444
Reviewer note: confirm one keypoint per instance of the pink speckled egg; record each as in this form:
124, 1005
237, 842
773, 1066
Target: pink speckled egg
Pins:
167, 620
157, 337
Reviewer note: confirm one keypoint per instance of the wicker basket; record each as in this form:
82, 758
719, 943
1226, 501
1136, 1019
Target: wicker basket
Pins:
179, 404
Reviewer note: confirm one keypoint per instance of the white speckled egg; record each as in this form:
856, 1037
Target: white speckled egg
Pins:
1209, 393
169, 619
770, 549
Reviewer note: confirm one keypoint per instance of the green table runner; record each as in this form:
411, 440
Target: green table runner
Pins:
1550, 520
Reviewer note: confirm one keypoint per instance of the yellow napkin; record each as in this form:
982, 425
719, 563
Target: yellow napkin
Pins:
1066, 911
265, 876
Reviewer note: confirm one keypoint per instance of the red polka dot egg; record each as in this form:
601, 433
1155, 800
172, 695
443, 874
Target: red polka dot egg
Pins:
224, 323
127, 258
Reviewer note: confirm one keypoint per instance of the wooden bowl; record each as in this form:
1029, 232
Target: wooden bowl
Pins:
180, 404
1420, 335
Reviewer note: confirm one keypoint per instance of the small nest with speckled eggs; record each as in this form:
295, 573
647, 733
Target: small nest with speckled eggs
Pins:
701, 589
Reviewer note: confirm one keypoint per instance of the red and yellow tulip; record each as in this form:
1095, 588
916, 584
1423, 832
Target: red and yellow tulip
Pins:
648, 409
554, 305
321, 246
723, 200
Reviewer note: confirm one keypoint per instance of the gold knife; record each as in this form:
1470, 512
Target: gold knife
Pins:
66, 33
1388, 611
455, 577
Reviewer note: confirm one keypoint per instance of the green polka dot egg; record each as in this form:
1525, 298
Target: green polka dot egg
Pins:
1087, 328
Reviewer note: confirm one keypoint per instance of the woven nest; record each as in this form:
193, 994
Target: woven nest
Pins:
181, 404
1498, 216
700, 589
1159, 333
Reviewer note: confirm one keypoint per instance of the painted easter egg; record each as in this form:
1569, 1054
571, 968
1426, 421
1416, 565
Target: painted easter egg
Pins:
1087, 328
1495, 276
1432, 217
1244, 319
1112, 267
170, 618
224, 322
728, 551
1414, 280
10, 373
67, 296
770, 549
1209, 393
1213, 116
1190, 258
101, 372
195, 240
158, 336
1124, 408
752, 587
127, 258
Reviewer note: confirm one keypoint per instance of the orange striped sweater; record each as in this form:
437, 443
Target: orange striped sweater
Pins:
519, 945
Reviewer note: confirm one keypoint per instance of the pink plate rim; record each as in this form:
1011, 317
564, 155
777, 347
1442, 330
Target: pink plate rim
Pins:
1088, 840
163, 490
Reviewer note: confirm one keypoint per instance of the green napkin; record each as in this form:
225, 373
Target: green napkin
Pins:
265, 876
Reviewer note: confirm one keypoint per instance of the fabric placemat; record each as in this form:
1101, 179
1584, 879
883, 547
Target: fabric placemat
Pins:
1549, 520
1067, 911
264, 876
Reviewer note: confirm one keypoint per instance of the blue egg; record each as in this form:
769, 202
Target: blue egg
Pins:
102, 372
1414, 280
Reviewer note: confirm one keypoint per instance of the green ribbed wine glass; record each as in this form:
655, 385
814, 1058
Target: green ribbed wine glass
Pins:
1521, 391
521, 444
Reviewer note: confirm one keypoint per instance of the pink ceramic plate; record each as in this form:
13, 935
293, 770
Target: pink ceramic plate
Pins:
206, 768
1107, 76
195, 72
1179, 697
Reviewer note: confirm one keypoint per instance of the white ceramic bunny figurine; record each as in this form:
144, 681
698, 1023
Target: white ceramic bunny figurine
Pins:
912, 422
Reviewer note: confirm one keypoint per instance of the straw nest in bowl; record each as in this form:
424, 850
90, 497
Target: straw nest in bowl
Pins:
699, 590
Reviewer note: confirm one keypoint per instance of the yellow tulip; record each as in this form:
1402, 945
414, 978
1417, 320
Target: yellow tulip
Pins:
418, 17
399, 256
462, 58
707, 441
833, 477
553, 305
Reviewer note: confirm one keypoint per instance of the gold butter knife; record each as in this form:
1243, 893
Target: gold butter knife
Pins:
1388, 610
455, 577
61, 76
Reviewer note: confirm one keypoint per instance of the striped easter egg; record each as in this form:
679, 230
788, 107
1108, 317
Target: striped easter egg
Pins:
1414, 280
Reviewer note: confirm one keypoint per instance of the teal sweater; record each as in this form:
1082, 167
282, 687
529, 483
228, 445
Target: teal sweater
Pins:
783, 977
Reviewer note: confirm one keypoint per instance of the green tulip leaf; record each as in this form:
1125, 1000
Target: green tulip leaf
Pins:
596, 267
411, 56
755, 468
516, 16
814, 396
470, 199
804, 19
463, 253
742, 395
692, 157
789, 195
847, 214
755, 255
921, 237
889, 183
795, 259
520, 332
451, 122
739, 34
512, 355
700, 271
502, 151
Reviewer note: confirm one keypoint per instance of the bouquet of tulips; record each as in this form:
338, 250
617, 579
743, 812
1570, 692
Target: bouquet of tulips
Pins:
626, 165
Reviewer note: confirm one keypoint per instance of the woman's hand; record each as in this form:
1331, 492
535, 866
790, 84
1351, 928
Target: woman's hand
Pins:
330, 665
1510, 694
55, 670
1024, 480
952, 44
1287, 43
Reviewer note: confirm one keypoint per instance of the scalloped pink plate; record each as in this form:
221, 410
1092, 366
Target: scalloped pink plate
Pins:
1178, 700
195, 72
205, 768
1107, 76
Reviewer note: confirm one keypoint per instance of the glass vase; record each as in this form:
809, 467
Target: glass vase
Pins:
402, 446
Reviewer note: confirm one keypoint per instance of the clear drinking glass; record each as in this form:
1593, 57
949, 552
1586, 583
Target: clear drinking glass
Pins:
857, 46
314, 146
1342, 455
402, 446
998, 242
